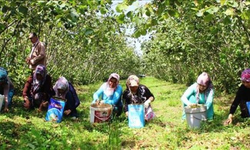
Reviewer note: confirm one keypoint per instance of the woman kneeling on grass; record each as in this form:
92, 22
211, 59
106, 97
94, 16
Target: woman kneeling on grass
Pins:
6, 89
65, 90
38, 89
242, 98
201, 92
110, 93
136, 93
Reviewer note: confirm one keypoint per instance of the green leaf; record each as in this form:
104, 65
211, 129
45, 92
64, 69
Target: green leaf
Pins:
208, 17
121, 7
227, 21
129, 15
88, 31
129, 2
137, 34
23, 10
245, 15
5, 9
235, 4
148, 13
173, 13
143, 31
200, 13
120, 18
222, 2
229, 12
103, 11
2, 26
74, 15
212, 10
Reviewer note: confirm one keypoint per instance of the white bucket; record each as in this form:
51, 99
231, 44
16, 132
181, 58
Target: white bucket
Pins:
196, 115
1, 101
100, 113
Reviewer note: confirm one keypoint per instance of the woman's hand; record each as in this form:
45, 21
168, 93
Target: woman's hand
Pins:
229, 120
26, 103
67, 112
6, 109
146, 104
126, 113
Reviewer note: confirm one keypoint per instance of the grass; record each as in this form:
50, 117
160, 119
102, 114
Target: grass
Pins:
20, 129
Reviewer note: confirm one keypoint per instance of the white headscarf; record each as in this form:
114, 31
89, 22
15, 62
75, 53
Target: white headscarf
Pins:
109, 90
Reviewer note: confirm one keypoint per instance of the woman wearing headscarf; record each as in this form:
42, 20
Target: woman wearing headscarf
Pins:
110, 93
137, 93
37, 89
6, 89
242, 97
201, 92
62, 90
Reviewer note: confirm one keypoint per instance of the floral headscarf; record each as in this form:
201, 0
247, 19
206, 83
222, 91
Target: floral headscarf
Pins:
3, 75
132, 80
63, 84
40, 69
204, 79
108, 90
245, 75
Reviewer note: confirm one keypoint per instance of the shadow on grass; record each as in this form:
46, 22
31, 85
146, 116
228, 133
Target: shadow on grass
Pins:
27, 129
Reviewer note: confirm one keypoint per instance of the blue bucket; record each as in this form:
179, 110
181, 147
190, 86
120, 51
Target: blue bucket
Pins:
55, 110
248, 107
136, 116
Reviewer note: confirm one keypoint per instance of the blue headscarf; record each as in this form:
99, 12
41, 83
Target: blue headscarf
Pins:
3, 75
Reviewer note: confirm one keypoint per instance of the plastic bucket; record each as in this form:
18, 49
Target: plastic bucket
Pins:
136, 116
1, 101
194, 116
100, 113
55, 110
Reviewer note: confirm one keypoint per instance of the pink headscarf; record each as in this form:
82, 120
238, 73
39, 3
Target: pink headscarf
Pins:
204, 80
245, 75
116, 76
63, 84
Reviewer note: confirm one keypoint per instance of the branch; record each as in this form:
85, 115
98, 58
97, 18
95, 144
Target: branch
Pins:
8, 26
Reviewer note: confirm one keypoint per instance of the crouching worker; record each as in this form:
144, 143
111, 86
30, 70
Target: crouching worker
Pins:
242, 98
37, 89
110, 93
6, 89
136, 93
201, 92
65, 90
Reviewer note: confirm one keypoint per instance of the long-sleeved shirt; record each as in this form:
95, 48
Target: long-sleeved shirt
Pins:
142, 94
37, 55
189, 97
46, 88
242, 96
114, 99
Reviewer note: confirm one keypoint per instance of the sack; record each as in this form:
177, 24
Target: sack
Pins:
74, 95
136, 116
149, 114
55, 110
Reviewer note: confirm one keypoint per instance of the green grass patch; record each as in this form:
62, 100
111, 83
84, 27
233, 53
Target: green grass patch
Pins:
21, 129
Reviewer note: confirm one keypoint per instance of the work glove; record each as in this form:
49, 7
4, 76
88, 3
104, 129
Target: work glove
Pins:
146, 104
